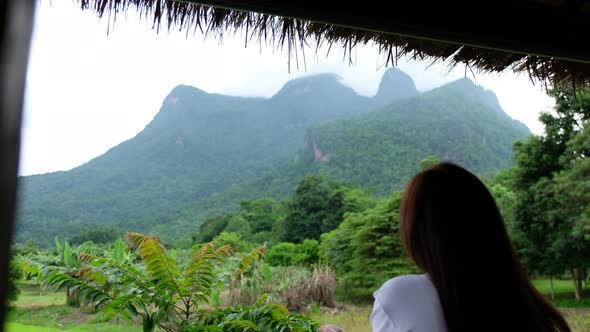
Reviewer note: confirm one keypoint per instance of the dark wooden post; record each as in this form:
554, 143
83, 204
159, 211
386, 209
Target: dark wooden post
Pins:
16, 26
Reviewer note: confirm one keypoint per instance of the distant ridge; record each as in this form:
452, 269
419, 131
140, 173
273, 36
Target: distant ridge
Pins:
204, 152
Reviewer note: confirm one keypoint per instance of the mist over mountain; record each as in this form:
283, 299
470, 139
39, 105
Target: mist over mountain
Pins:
204, 152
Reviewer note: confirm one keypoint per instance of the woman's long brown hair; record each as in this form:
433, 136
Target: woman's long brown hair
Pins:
451, 227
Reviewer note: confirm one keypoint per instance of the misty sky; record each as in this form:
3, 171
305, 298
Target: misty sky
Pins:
87, 92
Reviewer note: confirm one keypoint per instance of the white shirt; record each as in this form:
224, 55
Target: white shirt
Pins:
407, 303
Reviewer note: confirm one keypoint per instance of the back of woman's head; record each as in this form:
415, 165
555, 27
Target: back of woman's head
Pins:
452, 229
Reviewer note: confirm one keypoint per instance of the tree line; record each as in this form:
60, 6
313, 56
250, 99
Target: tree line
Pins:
544, 199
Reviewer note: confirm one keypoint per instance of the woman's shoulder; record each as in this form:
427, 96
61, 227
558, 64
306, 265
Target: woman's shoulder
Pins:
410, 303
405, 282
402, 287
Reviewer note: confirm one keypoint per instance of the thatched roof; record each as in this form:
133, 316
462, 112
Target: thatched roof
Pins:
545, 38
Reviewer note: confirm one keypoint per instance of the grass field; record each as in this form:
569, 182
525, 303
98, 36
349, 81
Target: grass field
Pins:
563, 288
46, 311
17, 327
564, 293
33, 296
350, 317
62, 317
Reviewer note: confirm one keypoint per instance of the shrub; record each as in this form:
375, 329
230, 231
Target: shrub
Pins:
282, 254
96, 235
261, 237
261, 316
15, 274
238, 225
233, 239
288, 254
185, 242
308, 252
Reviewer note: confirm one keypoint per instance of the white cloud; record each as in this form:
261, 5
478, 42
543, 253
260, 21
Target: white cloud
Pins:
87, 92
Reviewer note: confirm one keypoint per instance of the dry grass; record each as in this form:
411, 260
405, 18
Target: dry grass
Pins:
296, 287
317, 289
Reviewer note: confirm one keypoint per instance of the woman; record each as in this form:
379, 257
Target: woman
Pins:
452, 229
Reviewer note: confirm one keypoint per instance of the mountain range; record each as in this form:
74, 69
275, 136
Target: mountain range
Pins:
202, 153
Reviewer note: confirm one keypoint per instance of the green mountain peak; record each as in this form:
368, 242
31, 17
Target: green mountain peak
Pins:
202, 152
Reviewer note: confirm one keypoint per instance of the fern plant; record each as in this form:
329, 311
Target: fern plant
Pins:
260, 317
161, 294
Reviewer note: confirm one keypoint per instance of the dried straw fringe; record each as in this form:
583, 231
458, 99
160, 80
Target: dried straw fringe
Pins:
296, 34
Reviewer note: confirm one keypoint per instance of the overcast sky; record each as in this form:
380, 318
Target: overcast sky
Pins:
87, 92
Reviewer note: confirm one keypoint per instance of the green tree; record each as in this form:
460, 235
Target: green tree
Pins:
540, 156
309, 252
505, 197
260, 213
357, 200
288, 254
544, 234
262, 237
316, 207
237, 224
572, 185
378, 252
571, 192
96, 235
211, 227
282, 254
337, 247
365, 249
234, 240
